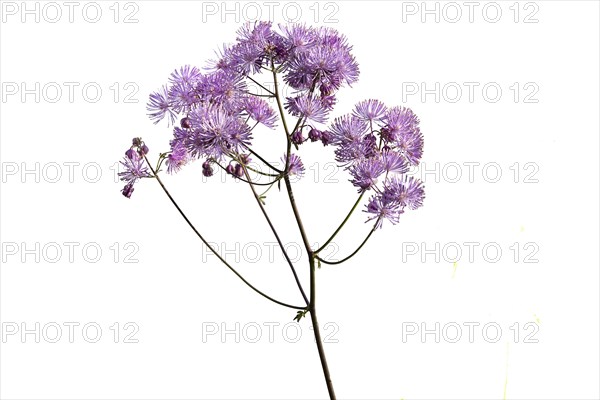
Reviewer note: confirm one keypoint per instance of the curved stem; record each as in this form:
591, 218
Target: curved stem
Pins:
244, 180
285, 254
262, 159
211, 248
354, 252
341, 225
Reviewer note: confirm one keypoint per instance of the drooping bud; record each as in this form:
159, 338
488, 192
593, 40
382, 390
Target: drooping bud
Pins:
325, 138
207, 169
238, 170
185, 123
314, 135
127, 190
297, 137
131, 154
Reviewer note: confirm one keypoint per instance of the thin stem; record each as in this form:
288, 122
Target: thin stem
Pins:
342, 224
262, 173
315, 324
354, 252
210, 247
262, 159
244, 180
264, 88
285, 254
259, 95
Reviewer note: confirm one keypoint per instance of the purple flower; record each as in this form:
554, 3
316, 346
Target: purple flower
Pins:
310, 108
217, 133
406, 192
177, 158
323, 61
135, 168
382, 209
159, 106
370, 110
295, 167
260, 111
394, 162
365, 173
347, 130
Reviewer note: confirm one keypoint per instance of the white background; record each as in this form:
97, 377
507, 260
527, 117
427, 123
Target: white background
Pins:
174, 290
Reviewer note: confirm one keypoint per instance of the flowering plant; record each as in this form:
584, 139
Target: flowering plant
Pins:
218, 113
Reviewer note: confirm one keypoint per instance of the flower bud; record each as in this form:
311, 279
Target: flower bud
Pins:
131, 154
314, 135
185, 123
297, 137
207, 169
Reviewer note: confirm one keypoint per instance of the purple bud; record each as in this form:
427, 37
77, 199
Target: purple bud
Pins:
239, 171
230, 170
207, 169
144, 149
136, 142
245, 159
185, 123
325, 138
127, 190
297, 137
314, 135
131, 154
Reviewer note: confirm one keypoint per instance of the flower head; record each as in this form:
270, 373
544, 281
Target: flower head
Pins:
365, 173
295, 167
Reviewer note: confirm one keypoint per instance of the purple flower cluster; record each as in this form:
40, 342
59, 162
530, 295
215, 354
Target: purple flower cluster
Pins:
134, 166
217, 108
377, 145
218, 111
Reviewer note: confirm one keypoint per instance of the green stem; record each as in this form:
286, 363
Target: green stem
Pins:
285, 254
354, 252
341, 225
264, 88
262, 159
210, 247
311, 256
316, 330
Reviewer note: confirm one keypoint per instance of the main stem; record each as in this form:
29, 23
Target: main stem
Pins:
311, 255
315, 324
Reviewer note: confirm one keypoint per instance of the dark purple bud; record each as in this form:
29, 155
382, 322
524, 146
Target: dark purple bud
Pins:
328, 101
297, 137
144, 149
127, 190
314, 135
385, 148
326, 90
131, 154
136, 142
185, 123
238, 170
207, 169
245, 159
230, 170
325, 138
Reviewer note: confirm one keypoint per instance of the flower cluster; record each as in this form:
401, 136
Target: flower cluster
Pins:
217, 111
215, 107
377, 145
